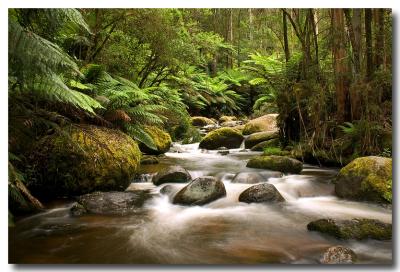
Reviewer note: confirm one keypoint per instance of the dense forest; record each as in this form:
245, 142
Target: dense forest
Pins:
91, 90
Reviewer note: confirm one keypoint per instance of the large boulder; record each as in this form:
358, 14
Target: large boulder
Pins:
266, 144
110, 203
259, 137
366, 178
263, 123
162, 140
227, 137
353, 229
225, 118
231, 124
200, 121
83, 159
276, 163
264, 192
339, 255
200, 191
172, 174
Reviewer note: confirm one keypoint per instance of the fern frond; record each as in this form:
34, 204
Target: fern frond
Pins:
137, 132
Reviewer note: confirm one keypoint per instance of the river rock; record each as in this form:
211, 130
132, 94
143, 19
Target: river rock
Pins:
226, 137
200, 191
366, 178
162, 140
83, 159
149, 160
248, 178
264, 192
225, 118
339, 255
259, 137
200, 121
357, 228
172, 174
110, 203
276, 163
265, 144
263, 123
231, 124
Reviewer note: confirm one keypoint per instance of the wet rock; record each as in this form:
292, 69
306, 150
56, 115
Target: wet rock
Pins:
83, 159
366, 178
149, 160
259, 137
200, 191
231, 124
276, 163
172, 174
248, 178
222, 148
353, 229
110, 203
162, 140
339, 255
261, 193
223, 152
225, 118
167, 190
200, 121
263, 123
222, 137
265, 144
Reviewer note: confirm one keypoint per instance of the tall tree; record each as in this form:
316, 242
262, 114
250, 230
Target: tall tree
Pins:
368, 43
285, 37
340, 64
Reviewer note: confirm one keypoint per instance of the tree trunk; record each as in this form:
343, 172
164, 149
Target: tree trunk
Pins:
340, 65
285, 37
379, 38
368, 44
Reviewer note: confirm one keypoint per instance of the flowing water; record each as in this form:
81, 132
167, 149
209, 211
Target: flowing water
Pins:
222, 232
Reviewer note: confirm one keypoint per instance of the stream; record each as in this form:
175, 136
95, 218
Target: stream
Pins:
222, 232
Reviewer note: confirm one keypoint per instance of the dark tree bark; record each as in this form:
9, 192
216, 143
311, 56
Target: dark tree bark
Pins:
285, 37
368, 44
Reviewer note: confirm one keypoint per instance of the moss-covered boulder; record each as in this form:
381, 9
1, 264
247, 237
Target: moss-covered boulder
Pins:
259, 193
200, 121
263, 123
200, 191
225, 118
227, 137
161, 139
353, 229
366, 178
266, 144
276, 163
259, 137
83, 159
338, 255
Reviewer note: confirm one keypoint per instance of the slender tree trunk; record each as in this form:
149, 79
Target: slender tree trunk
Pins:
379, 38
239, 38
285, 37
340, 65
368, 44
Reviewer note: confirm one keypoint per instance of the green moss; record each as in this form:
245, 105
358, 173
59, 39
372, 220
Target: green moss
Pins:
225, 118
201, 121
268, 151
161, 138
353, 229
276, 163
84, 159
259, 137
227, 137
366, 178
